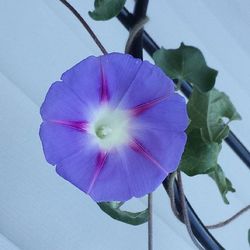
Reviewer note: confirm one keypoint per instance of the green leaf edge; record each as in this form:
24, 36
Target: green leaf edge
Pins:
96, 15
113, 210
180, 79
229, 187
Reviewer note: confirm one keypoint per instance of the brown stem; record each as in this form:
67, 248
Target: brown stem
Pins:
85, 25
171, 193
225, 222
134, 32
150, 221
184, 211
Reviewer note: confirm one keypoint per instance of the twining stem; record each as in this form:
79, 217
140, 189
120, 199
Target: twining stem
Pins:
225, 222
134, 44
150, 221
171, 193
185, 212
85, 25
183, 217
134, 32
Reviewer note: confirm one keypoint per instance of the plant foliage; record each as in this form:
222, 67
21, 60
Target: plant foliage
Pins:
106, 9
210, 111
186, 64
113, 210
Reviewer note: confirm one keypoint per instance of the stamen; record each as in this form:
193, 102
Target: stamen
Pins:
103, 131
110, 127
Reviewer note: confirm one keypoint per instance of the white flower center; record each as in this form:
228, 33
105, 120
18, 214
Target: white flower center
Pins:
110, 127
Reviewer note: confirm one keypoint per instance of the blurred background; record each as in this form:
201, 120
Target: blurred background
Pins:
41, 39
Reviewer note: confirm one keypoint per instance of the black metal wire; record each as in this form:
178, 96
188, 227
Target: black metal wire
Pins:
127, 19
199, 230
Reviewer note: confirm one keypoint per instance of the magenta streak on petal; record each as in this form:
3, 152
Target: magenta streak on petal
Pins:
145, 106
100, 161
136, 146
104, 95
78, 125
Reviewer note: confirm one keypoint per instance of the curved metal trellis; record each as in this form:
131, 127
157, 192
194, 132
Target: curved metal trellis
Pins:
145, 41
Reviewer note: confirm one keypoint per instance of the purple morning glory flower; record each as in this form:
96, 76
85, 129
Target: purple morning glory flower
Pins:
114, 127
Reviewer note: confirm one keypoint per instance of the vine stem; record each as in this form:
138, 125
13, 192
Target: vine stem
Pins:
134, 32
171, 194
225, 222
134, 44
185, 212
150, 221
85, 25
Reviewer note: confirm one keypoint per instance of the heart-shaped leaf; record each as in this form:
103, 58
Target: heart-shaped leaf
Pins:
207, 110
199, 157
223, 183
186, 63
113, 210
106, 9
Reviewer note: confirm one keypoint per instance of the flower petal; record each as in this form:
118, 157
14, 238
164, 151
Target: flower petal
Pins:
80, 168
62, 104
62, 141
129, 173
112, 183
85, 80
165, 147
149, 84
119, 71
169, 114
144, 175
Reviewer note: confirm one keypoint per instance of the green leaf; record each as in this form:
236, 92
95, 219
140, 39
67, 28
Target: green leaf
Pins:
205, 134
207, 110
223, 183
186, 63
199, 157
106, 9
113, 210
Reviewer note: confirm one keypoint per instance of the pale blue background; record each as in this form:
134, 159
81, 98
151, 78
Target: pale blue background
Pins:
38, 41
